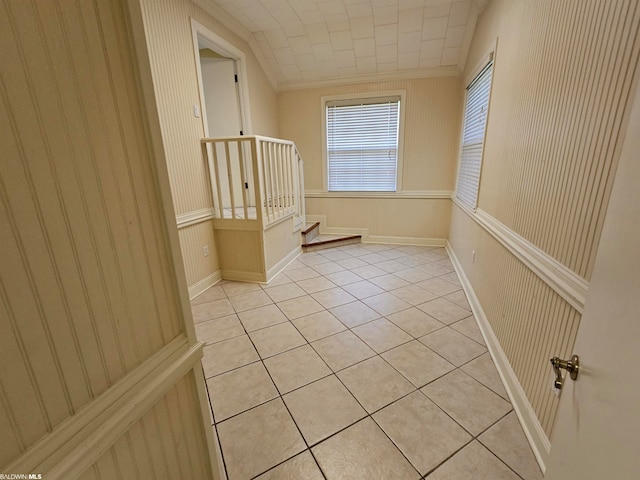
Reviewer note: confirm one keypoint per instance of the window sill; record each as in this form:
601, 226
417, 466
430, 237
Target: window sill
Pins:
421, 194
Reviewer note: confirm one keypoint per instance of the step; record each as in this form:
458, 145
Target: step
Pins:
311, 231
322, 242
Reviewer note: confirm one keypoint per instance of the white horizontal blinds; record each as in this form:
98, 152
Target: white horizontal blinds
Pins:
362, 144
475, 121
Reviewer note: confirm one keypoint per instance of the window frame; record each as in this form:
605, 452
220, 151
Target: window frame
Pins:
356, 97
487, 61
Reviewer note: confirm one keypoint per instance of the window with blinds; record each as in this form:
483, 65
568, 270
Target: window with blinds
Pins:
475, 121
362, 144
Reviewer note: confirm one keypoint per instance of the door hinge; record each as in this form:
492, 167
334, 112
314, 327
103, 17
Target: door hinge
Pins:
235, 78
241, 133
246, 184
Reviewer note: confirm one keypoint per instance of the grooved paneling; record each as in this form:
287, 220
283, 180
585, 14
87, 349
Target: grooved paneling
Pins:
167, 442
556, 157
192, 240
87, 286
562, 82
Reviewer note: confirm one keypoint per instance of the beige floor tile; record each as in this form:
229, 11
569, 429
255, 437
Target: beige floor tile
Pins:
362, 451
375, 383
436, 268
295, 368
343, 278
389, 282
333, 297
413, 275
373, 258
473, 462
351, 263
417, 363
452, 277
386, 303
323, 408
369, 271
219, 329
211, 310
507, 440
439, 286
247, 440
415, 322
318, 325
284, 292
455, 347
423, 432
301, 273
300, 467
238, 288
443, 310
276, 339
484, 370
342, 350
312, 258
362, 289
248, 301
382, 335
469, 327
355, 313
239, 390
300, 307
459, 298
261, 317
413, 295
315, 284
209, 295
467, 401
227, 355
393, 253
391, 265
280, 279
334, 254
327, 268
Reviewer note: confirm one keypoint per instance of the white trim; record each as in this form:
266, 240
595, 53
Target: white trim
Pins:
282, 264
192, 218
220, 45
415, 194
566, 283
207, 282
419, 241
325, 230
240, 276
375, 77
402, 93
533, 430
78, 442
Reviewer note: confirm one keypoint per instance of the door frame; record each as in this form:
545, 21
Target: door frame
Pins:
201, 34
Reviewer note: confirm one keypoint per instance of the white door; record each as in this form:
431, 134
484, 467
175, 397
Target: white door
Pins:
597, 431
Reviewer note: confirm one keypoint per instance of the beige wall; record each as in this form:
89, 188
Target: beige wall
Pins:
173, 63
562, 78
93, 324
433, 114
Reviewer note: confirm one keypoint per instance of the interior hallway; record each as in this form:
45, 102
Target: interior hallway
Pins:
361, 361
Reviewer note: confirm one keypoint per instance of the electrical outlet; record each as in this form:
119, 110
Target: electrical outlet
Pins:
473, 257
206, 250
196, 111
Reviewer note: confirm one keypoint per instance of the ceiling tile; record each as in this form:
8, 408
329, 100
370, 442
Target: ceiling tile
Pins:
306, 62
291, 72
364, 47
409, 42
359, 10
311, 17
386, 34
300, 45
410, 20
459, 14
327, 69
331, 7
437, 11
346, 58
362, 27
387, 67
366, 65
430, 62
322, 52
385, 15
342, 40
455, 36
284, 56
318, 33
276, 38
347, 71
408, 61
387, 54
432, 48
450, 56
336, 23
409, 4
434, 28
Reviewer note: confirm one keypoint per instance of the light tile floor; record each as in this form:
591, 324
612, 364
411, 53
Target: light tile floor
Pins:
357, 362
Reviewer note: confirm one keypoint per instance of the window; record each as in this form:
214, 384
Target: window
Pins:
362, 144
475, 121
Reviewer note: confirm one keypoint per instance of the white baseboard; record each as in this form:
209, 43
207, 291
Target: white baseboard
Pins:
202, 285
282, 264
424, 242
326, 230
533, 430
240, 276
